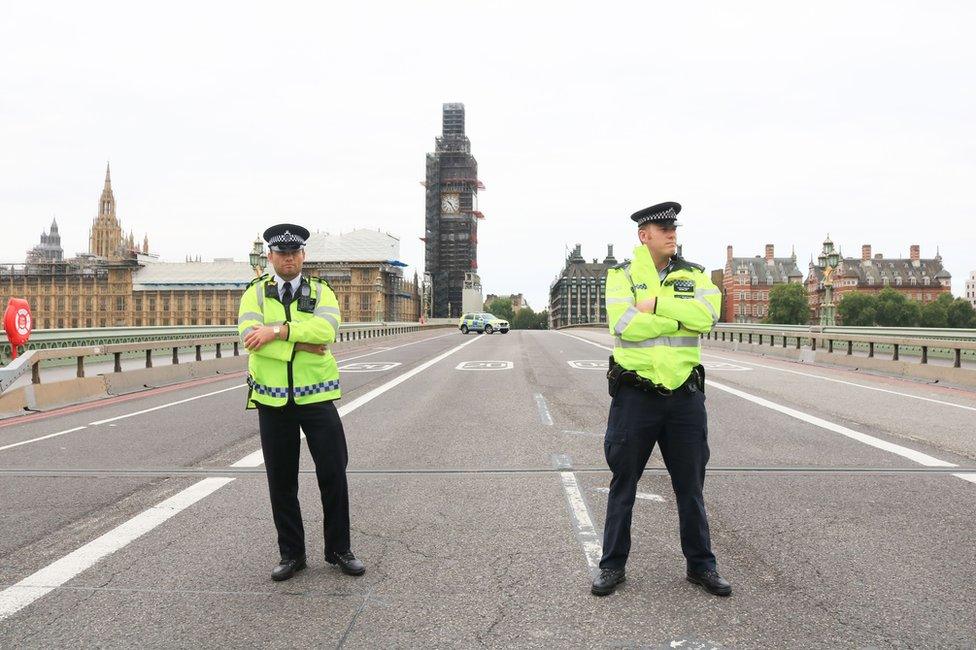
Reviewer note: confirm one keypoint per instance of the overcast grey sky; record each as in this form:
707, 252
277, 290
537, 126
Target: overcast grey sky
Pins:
771, 122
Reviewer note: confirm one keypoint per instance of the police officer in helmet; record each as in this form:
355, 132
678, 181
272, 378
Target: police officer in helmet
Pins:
287, 321
658, 305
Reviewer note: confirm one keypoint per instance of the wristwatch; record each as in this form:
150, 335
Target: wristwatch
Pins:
277, 330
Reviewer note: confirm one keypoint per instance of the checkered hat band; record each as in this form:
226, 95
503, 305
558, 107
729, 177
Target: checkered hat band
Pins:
286, 238
657, 216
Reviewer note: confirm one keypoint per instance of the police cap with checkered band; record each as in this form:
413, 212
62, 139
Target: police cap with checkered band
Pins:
664, 214
286, 237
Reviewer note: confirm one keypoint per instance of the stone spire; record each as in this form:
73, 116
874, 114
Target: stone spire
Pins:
105, 239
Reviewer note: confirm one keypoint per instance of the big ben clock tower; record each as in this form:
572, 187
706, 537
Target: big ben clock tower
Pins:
452, 214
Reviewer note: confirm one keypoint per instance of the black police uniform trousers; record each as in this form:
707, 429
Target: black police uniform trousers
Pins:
280, 443
678, 422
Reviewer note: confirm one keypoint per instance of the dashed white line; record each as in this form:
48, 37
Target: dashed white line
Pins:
592, 547
540, 402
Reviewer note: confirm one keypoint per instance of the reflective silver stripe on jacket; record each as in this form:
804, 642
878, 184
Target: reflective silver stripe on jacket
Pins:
699, 296
620, 301
250, 315
625, 320
670, 341
325, 312
260, 289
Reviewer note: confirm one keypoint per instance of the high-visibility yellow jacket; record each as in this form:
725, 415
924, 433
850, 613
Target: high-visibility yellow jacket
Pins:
276, 371
662, 346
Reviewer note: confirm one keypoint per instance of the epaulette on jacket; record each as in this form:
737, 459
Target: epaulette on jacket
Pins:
323, 281
678, 263
258, 279
622, 265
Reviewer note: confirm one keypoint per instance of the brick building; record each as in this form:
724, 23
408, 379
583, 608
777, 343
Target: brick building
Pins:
747, 281
919, 279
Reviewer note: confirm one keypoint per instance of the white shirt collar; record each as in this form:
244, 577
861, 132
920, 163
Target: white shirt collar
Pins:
295, 283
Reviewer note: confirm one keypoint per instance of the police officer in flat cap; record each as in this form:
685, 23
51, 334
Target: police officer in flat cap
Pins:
658, 305
287, 321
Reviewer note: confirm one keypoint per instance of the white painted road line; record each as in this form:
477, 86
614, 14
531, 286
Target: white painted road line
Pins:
36, 585
57, 573
644, 496
588, 434
402, 345
905, 452
841, 381
50, 435
592, 547
540, 402
163, 406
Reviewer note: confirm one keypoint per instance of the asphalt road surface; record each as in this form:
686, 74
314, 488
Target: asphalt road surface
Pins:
842, 509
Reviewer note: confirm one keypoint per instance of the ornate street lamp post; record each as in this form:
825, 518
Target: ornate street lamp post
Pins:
828, 259
258, 258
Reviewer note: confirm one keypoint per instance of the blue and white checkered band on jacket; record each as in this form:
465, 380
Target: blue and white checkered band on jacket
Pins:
664, 215
286, 238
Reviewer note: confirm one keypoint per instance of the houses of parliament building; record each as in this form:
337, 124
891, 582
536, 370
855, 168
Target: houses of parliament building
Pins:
119, 283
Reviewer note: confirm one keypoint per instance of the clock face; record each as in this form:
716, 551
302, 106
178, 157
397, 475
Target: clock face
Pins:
450, 203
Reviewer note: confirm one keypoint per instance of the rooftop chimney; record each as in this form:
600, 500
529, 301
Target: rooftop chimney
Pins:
878, 256
769, 253
728, 252
914, 252
866, 252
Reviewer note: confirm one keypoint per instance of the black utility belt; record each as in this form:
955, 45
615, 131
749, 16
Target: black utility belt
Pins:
631, 378
617, 375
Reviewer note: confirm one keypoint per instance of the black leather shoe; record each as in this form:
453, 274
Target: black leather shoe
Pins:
712, 581
287, 568
607, 581
347, 562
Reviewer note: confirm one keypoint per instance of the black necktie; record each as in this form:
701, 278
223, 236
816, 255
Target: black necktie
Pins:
286, 294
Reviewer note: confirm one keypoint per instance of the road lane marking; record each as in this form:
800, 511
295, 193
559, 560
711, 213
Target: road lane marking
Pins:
580, 514
589, 434
841, 381
644, 496
402, 345
163, 406
589, 364
370, 366
719, 365
485, 365
540, 402
50, 435
905, 452
43, 581
14, 598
